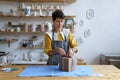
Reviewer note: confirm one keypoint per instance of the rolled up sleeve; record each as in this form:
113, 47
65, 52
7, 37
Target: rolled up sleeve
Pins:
71, 41
48, 43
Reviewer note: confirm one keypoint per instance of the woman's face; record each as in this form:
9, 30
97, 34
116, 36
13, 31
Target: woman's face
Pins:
58, 24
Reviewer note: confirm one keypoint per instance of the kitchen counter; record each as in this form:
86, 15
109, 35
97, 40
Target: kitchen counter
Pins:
102, 72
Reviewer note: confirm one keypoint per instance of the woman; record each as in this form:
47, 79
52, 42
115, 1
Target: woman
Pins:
59, 42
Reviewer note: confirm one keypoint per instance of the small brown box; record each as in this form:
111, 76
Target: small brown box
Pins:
1, 13
67, 64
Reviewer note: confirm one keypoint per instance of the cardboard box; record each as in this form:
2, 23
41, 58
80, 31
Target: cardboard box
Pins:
67, 64
81, 62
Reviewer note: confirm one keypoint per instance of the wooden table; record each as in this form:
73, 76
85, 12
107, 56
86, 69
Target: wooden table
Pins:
109, 73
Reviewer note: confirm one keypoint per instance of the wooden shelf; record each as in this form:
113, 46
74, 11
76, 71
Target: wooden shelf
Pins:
9, 0
67, 17
4, 41
22, 32
32, 10
69, 1
30, 47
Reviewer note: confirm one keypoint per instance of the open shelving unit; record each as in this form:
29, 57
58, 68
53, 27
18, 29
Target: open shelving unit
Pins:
20, 17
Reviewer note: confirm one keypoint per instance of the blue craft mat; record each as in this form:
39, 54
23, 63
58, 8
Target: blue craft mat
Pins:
32, 71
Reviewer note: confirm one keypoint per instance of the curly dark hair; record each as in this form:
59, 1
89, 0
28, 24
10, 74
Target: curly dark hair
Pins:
58, 14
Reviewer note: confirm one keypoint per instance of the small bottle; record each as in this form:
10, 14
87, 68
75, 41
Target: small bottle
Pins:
25, 56
18, 29
23, 6
24, 44
26, 28
34, 28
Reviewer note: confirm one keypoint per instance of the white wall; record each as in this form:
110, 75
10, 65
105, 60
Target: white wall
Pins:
104, 28
105, 34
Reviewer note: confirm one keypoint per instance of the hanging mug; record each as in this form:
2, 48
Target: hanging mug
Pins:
27, 11
34, 28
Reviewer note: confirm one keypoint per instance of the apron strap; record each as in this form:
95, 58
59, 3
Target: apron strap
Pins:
65, 38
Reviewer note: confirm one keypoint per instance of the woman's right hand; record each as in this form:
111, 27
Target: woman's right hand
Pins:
61, 51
